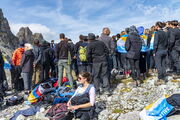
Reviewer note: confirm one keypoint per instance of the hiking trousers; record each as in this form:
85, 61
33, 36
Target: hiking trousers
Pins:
100, 75
160, 61
176, 60
63, 63
134, 63
36, 75
27, 78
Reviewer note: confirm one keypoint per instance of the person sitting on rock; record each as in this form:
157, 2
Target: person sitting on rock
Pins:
82, 102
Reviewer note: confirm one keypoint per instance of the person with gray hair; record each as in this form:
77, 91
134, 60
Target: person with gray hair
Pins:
27, 67
110, 44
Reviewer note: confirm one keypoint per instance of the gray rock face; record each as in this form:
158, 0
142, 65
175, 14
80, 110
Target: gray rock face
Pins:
7, 38
38, 36
25, 34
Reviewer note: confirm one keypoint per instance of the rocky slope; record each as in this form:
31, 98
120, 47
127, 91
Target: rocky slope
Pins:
125, 103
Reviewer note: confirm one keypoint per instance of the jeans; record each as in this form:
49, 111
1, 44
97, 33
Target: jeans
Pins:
61, 65
27, 78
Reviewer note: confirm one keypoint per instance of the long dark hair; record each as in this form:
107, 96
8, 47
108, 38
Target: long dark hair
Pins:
86, 75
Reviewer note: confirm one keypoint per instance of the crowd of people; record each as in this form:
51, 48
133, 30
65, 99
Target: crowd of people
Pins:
133, 52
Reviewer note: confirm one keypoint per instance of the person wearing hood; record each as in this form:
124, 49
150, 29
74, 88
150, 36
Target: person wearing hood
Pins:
133, 47
27, 66
16, 62
144, 49
46, 61
160, 52
97, 54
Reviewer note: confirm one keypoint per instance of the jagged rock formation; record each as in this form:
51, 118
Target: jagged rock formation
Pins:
38, 36
7, 39
9, 42
25, 34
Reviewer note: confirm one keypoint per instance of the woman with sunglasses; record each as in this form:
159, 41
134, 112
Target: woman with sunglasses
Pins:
82, 102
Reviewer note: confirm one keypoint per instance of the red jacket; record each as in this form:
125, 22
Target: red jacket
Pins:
17, 56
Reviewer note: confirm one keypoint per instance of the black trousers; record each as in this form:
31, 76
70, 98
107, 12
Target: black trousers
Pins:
44, 73
1, 82
160, 60
100, 75
176, 59
142, 62
85, 116
18, 83
134, 63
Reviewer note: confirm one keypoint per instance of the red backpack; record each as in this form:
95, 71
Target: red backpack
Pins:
59, 112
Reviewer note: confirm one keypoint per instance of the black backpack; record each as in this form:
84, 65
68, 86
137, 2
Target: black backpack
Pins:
14, 100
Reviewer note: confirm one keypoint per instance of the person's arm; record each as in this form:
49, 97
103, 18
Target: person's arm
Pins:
23, 60
14, 57
127, 44
156, 41
57, 51
39, 56
171, 40
89, 53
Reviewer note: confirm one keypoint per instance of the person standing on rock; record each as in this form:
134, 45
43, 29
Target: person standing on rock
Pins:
27, 66
37, 62
16, 62
133, 47
160, 52
174, 45
110, 44
97, 54
1, 76
63, 48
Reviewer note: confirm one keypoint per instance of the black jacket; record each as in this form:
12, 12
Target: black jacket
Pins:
133, 46
27, 61
97, 52
174, 42
1, 67
160, 41
110, 44
47, 55
37, 55
62, 49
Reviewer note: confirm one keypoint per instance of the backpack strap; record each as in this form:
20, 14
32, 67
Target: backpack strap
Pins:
88, 88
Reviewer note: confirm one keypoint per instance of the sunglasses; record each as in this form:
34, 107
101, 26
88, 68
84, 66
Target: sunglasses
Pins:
80, 78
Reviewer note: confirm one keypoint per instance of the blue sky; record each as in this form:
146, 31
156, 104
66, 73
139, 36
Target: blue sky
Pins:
75, 17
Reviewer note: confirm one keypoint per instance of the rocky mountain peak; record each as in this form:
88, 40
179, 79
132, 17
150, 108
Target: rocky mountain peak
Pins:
7, 38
